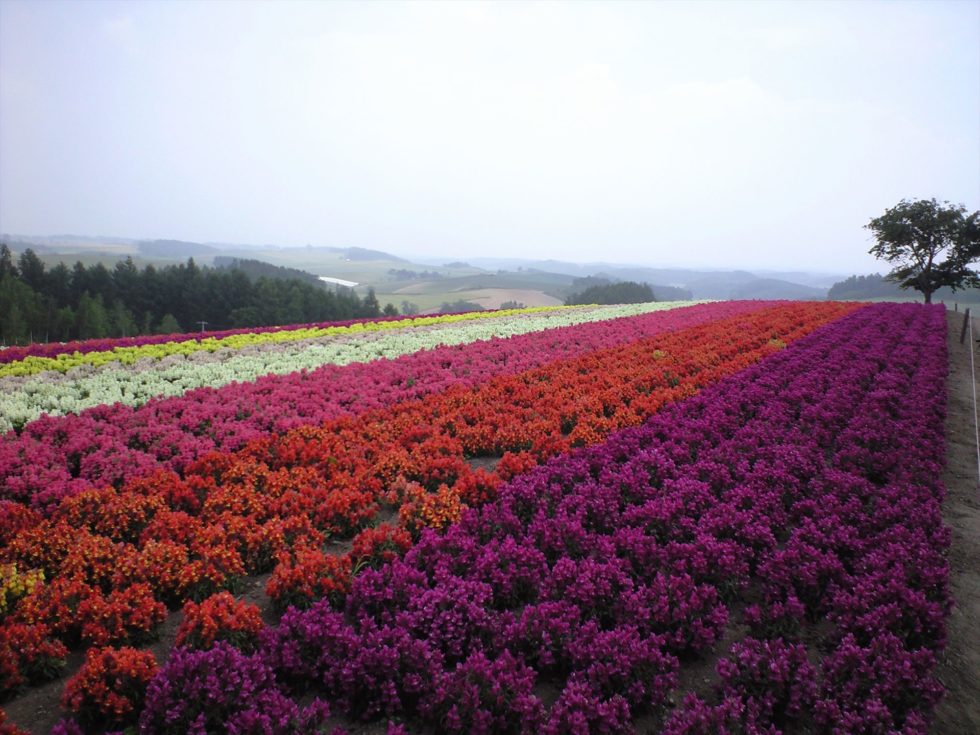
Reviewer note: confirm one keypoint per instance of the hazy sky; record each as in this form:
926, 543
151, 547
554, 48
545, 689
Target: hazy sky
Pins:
667, 133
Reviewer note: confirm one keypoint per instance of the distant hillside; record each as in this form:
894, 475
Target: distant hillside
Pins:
856, 288
773, 288
723, 284
60, 241
701, 284
660, 292
671, 293
429, 281
256, 269
624, 292
876, 287
552, 283
176, 249
365, 254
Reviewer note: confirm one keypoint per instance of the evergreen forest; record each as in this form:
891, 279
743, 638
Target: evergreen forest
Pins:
57, 304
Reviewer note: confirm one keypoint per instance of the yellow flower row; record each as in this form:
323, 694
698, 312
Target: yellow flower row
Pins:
129, 355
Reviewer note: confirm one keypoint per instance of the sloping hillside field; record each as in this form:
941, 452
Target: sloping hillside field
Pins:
674, 518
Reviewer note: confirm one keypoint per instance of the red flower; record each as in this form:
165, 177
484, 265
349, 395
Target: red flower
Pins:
28, 654
309, 575
110, 686
377, 546
219, 618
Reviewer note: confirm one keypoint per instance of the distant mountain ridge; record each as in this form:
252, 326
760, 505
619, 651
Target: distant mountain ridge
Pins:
176, 249
373, 267
702, 284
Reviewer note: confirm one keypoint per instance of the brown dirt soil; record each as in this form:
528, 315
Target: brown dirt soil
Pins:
959, 665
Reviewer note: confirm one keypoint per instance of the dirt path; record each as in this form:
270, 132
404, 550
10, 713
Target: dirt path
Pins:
959, 667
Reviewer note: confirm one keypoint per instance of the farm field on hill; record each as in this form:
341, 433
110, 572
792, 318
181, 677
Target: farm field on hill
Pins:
676, 518
488, 298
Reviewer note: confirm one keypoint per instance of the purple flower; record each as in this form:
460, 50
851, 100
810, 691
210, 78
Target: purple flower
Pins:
222, 690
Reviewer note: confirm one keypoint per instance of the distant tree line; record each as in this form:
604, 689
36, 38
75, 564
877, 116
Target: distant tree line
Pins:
863, 287
404, 274
660, 293
877, 286
581, 284
623, 292
672, 293
256, 269
43, 304
460, 305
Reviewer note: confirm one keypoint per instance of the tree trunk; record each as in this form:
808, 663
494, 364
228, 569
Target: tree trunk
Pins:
928, 296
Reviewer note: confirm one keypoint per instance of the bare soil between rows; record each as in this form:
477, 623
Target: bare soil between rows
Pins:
959, 665
37, 710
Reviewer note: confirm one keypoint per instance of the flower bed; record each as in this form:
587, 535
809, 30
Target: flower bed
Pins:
813, 475
230, 515
24, 399
53, 349
63, 357
55, 456
794, 504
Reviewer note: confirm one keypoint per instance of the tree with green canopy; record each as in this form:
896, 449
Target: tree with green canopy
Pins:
92, 319
930, 245
169, 325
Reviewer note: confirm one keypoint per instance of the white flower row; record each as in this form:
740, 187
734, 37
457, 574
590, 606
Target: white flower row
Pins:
23, 399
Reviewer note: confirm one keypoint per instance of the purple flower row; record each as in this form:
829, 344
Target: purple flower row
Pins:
812, 476
57, 456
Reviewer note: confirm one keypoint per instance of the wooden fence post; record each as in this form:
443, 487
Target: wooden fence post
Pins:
966, 322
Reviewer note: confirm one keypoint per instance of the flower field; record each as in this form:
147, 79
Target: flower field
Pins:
720, 517
127, 350
71, 381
